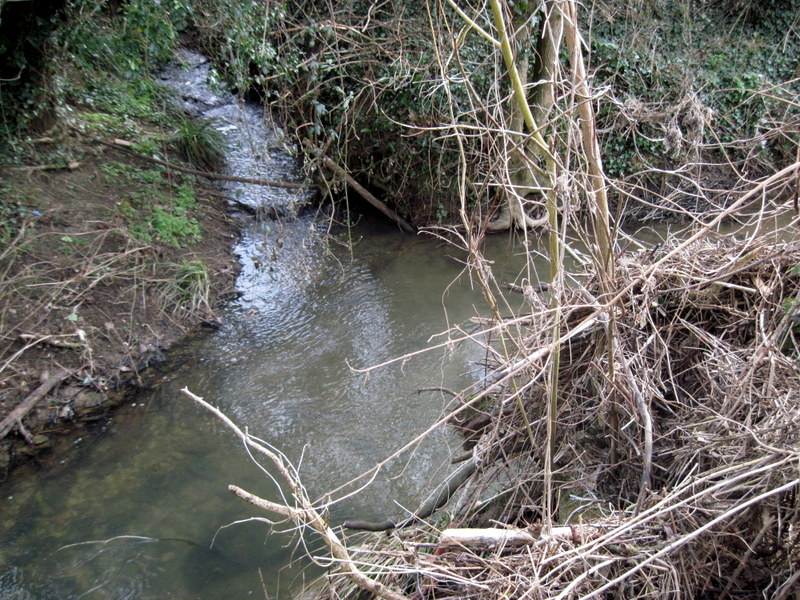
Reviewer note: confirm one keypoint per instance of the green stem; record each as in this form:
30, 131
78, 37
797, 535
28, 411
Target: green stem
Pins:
554, 248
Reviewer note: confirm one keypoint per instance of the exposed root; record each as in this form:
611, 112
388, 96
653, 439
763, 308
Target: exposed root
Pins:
514, 218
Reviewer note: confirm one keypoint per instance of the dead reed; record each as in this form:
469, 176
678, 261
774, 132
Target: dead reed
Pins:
676, 468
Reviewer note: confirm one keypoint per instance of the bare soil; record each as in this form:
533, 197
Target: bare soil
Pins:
80, 293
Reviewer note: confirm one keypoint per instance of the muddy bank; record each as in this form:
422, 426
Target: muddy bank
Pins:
117, 249
88, 301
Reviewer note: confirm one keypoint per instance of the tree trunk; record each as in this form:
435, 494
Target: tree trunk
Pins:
525, 177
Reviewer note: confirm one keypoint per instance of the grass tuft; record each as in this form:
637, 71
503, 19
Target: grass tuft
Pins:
200, 144
189, 289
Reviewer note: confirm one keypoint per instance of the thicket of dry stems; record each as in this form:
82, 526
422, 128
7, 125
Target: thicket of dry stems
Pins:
676, 443
678, 478
709, 344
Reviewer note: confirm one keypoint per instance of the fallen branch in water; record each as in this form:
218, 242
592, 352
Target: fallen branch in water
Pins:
126, 145
304, 514
434, 502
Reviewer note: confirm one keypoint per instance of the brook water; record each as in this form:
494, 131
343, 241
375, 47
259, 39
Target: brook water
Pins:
140, 511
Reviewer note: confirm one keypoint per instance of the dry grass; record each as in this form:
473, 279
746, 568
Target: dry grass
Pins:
684, 457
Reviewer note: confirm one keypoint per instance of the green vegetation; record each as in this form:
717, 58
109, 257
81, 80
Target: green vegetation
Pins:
691, 81
189, 288
161, 207
89, 59
683, 83
359, 80
200, 143
97, 79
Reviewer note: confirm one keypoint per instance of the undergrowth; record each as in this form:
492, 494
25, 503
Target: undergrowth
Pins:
200, 143
159, 207
690, 92
682, 84
98, 78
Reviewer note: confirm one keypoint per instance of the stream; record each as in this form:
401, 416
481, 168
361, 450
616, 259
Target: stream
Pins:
141, 510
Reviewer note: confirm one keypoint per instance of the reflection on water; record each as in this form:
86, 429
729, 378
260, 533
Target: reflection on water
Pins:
150, 493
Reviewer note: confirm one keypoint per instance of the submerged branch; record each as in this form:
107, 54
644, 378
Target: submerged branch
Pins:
305, 514
432, 504
15, 416
126, 145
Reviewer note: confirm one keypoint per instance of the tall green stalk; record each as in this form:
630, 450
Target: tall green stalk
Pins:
553, 247
604, 257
